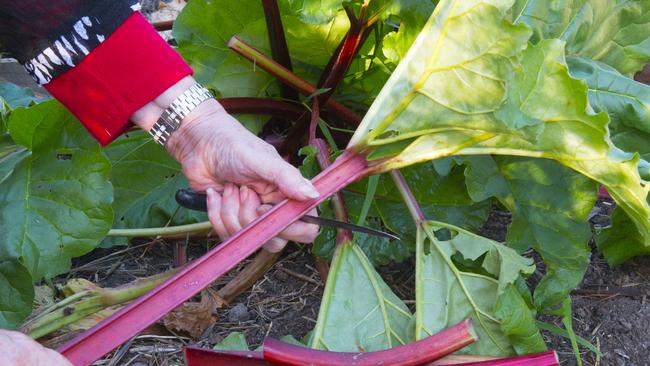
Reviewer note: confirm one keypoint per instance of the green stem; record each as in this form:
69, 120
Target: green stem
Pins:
201, 227
407, 195
271, 66
82, 304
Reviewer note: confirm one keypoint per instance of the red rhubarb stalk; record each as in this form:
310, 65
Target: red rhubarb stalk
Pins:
120, 327
540, 359
323, 158
278, 42
413, 354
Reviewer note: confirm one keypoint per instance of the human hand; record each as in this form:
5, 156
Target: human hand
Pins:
215, 149
18, 349
238, 207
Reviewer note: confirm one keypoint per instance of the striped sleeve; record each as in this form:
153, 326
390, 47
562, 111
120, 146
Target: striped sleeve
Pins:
100, 58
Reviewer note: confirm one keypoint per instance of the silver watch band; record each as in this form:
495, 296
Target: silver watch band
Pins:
170, 119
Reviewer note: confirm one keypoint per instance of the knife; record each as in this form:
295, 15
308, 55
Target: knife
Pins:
198, 202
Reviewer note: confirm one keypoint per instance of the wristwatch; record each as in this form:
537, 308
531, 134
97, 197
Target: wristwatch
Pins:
170, 119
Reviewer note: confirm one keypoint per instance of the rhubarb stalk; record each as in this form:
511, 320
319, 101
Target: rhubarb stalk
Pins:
110, 333
413, 354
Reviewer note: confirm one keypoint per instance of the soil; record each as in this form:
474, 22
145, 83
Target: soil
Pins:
610, 308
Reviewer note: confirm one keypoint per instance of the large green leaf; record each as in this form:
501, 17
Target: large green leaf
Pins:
625, 100
16, 293
411, 15
204, 45
615, 32
550, 205
476, 98
447, 294
56, 204
145, 179
10, 154
359, 312
13, 96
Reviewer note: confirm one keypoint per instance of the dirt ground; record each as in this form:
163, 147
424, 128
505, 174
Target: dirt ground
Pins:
610, 307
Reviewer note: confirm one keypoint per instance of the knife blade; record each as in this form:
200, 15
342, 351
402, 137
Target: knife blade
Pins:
198, 202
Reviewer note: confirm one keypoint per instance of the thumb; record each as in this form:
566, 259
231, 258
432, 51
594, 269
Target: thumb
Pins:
290, 182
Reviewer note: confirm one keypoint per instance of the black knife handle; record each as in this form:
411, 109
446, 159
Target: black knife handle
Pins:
192, 200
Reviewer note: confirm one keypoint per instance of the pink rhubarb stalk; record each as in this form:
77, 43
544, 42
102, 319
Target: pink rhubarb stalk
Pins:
120, 327
413, 354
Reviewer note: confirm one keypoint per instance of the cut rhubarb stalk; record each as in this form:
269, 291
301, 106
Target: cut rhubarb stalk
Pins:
205, 357
126, 323
540, 359
413, 354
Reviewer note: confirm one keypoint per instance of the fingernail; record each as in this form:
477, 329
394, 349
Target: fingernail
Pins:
210, 194
243, 193
309, 190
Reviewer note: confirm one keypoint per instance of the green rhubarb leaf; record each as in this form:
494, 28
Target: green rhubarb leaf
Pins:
205, 46
56, 203
626, 101
316, 12
433, 105
13, 96
16, 293
447, 294
359, 312
410, 16
145, 180
615, 32
10, 155
235, 341
517, 318
550, 205
441, 197
622, 241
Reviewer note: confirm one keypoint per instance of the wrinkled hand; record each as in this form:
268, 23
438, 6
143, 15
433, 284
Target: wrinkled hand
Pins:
20, 350
238, 207
215, 149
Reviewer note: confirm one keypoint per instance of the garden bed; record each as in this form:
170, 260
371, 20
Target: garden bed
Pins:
610, 307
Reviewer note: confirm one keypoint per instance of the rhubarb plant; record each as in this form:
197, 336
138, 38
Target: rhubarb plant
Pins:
527, 104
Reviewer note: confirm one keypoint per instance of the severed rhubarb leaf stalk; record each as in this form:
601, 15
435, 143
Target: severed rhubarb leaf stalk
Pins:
429, 349
197, 275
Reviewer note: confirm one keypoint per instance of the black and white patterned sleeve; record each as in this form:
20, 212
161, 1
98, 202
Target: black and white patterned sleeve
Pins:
50, 37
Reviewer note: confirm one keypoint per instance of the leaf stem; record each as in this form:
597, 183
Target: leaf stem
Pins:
278, 41
84, 303
201, 227
286, 76
417, 353
407, 195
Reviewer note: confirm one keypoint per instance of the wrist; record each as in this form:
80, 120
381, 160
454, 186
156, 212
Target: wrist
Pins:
146, 116
207, 116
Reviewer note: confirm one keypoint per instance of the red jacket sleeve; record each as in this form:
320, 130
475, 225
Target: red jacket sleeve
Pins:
128, 69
